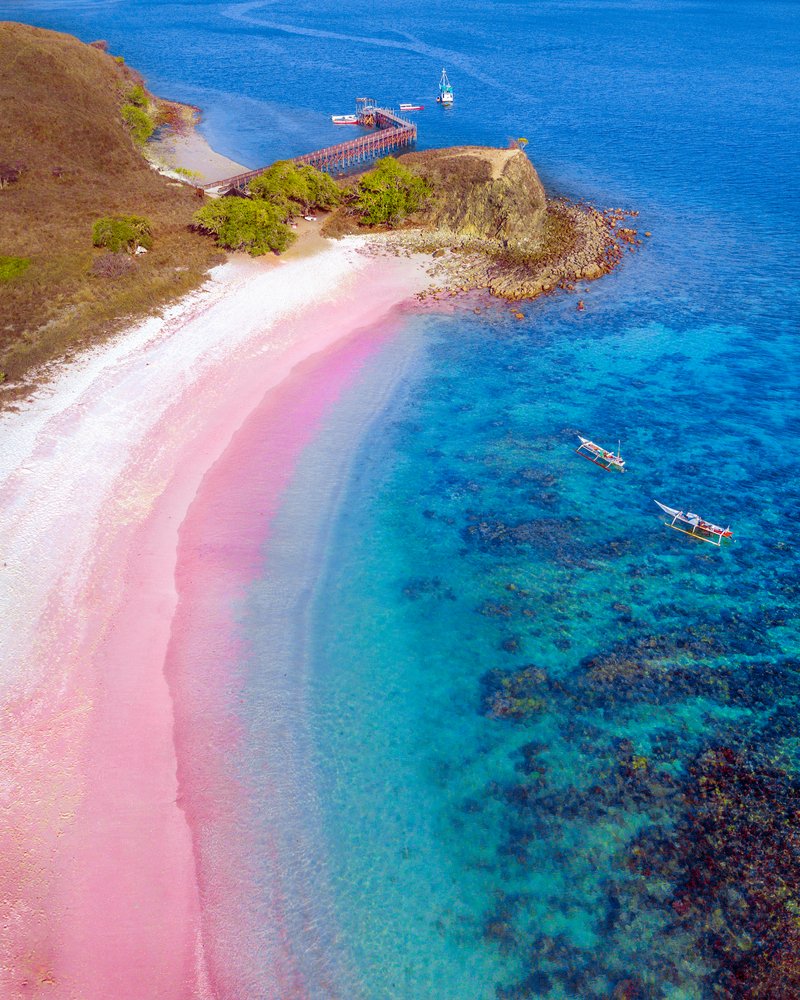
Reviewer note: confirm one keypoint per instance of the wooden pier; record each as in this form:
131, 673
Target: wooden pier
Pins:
391, 132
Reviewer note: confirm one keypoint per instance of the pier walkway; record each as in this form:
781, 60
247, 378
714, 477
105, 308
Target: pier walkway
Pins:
391, 132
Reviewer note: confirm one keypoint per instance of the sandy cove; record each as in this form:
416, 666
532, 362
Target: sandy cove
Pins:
118, 589
178, 145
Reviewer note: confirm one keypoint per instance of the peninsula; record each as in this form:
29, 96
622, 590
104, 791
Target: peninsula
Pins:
76, 153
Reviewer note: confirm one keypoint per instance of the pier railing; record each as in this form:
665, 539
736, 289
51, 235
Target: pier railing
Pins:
391, 132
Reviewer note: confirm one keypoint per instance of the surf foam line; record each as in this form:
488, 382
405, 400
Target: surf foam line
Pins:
99, 883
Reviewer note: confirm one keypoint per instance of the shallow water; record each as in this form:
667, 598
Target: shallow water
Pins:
529, 833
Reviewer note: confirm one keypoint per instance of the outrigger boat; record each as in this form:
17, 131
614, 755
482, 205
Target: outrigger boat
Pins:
605, 459
344, 119
412, 107
704, 530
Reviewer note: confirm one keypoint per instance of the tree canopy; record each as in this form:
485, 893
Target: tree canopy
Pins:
389, 192
246, 224
294, 189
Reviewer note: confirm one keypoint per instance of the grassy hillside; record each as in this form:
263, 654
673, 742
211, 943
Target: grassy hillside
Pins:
62, 134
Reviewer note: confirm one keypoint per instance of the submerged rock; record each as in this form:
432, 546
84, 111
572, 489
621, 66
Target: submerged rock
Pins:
514, 694
734, 864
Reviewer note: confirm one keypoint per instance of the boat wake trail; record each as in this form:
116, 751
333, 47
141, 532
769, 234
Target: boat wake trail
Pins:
244, 13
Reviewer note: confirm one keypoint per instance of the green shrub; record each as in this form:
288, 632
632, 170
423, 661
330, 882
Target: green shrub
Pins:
122, 232
192, 175
292, 189
390, 192
244, 224
139, 122
13, 267
138, 95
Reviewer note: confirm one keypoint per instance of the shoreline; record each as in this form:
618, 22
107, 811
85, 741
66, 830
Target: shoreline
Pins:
135, 429
139, 491
465, 264
180, 150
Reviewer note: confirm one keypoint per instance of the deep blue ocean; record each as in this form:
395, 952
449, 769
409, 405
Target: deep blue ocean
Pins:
557, 744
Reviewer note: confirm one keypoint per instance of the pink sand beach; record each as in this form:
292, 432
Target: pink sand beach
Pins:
136, 493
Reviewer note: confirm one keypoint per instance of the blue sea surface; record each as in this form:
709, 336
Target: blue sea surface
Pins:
556, 743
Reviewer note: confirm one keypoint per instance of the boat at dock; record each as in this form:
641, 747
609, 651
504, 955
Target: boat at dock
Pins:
698, 528
600, 456
344, 119
445, 90
412, 107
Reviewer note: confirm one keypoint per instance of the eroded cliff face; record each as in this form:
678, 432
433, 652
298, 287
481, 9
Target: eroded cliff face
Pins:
486, 193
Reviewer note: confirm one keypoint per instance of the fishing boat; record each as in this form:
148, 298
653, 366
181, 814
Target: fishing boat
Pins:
600, 456
344, 119
698, 528
412, 107
445, 90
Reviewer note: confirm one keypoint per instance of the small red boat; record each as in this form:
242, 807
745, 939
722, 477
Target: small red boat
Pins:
412, 107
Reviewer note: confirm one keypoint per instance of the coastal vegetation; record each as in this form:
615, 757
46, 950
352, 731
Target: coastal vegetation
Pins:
70, 159
139, 122
294, 189
124, 232
137, 113
260, 223
188, 173
246, 224
389, 193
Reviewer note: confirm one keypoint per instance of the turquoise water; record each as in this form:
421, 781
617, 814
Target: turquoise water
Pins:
477, 850
555, 743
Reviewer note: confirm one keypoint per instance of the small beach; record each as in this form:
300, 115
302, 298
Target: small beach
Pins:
181, 145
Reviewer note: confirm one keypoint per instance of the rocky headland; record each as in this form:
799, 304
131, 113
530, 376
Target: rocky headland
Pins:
489, 225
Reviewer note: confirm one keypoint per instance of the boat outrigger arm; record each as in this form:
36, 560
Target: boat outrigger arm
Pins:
704, 530
600, 456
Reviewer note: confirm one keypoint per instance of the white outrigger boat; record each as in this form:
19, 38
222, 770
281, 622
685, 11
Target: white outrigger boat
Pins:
600, 456
704, 530
344, 119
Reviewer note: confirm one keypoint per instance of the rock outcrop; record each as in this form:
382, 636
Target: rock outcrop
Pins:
481, 192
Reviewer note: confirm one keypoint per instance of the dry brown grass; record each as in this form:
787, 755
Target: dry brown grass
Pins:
60, 120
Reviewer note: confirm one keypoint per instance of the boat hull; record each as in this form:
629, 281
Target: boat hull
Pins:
696, 527
600, 456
